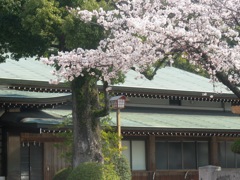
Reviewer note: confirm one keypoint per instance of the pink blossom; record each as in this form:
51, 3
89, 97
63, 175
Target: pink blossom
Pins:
142, 32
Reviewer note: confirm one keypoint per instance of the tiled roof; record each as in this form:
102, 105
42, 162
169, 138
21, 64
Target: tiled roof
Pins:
27, 72
168, 78
25, 69
150, 118
179, 119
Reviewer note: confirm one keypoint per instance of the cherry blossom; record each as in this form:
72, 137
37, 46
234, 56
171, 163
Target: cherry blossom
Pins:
143, 32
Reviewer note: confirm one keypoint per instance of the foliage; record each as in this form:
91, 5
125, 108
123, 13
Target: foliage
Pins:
110, 140
82, 39
236, 146
62, 174
43, 27
122, 167
110, 173
184, 64
111, 153
14, 37
93, 171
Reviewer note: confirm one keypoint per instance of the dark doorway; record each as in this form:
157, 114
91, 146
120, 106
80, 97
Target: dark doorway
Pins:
32, 161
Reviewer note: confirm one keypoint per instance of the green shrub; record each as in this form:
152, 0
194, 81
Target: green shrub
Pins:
236, 146
122, 167
93, 171
110, 173
62, 174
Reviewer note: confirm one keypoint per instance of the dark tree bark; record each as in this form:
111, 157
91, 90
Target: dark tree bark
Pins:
224, 79
86, 126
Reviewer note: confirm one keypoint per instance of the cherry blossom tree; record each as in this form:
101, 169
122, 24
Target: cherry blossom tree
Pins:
141, 35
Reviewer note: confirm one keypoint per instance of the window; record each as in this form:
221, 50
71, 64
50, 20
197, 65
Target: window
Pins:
227, 158
181, 154
189, 154
136, 154
175, 102
175, 157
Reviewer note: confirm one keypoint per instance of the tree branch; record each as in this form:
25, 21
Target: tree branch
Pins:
159, 64
105, 110
224, 79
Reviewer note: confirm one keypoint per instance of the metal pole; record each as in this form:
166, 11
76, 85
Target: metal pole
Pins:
119, 129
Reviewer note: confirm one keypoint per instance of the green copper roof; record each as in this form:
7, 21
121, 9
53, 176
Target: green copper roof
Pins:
27, 72
25, 69
168, 78
179, 119
149, 118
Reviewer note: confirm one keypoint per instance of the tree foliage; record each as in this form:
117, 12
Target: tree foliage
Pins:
41, 28
93, 171
184, 64
235, 147
122, 167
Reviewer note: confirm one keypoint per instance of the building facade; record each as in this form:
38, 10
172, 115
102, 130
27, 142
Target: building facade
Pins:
171, 125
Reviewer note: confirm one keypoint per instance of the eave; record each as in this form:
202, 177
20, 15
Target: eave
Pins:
18, 99
163, 132
175, 95
134, 92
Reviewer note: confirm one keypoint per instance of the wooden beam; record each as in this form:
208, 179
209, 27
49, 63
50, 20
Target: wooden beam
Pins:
46, 137
151, 159
214, 151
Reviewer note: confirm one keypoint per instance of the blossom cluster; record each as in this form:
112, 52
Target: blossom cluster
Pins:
142, 32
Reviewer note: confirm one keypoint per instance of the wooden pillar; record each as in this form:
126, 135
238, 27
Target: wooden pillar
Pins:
151, 159
119, 130
214, 151
13, 156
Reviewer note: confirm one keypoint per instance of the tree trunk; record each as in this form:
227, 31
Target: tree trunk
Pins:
86, 126
224, 79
